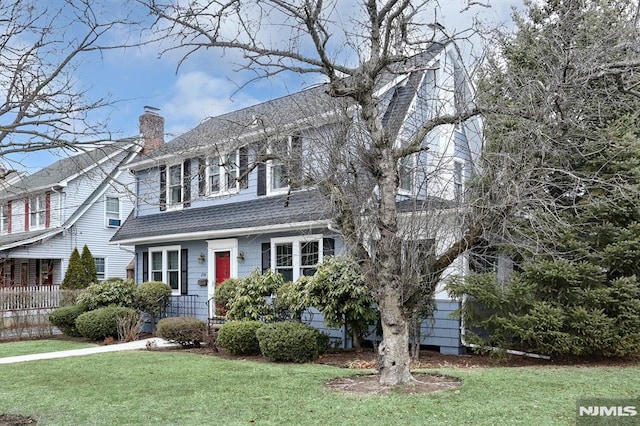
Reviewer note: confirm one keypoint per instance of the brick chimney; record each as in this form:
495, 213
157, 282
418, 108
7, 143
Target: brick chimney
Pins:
151, 129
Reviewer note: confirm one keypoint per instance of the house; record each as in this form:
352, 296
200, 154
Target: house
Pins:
218, 202
76, 201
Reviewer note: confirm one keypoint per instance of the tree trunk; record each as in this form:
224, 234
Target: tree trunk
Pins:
394, 359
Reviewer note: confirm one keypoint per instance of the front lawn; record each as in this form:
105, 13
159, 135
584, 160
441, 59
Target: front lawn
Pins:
176, 388
26, 347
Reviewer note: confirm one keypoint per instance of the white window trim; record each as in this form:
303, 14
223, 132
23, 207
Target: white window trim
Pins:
4, 219
271, 164
106, 218
411, 192
224, 171
40, 210
106, 268
164, 250
169, 203
296, 242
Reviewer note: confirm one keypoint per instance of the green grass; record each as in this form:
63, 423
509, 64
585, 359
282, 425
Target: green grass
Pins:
26, 347
177, 388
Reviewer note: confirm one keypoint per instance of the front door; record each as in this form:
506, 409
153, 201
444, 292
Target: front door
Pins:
223, 271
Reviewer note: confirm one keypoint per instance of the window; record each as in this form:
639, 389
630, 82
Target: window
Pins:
288, 170
100, 268
296, 256
37, 211
174, 184
223, 173
165, 266
112, 211
4, 219
457, 180
406, 172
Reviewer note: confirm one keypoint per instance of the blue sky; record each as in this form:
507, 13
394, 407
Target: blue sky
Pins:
206, 84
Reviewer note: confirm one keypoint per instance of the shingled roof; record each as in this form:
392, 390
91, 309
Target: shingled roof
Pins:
299, 208
301, 109
63, 169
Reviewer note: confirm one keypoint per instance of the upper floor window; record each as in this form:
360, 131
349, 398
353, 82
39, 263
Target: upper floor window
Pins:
112, 211
286, 171
223, 173
4, 218
406, 173
37, 211
175, 186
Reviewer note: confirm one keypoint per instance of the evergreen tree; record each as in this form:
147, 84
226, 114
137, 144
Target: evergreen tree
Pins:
570, 72
88, 266
74, 277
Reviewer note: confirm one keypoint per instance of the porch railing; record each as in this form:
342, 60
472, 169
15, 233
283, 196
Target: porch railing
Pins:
17, 298
182, 306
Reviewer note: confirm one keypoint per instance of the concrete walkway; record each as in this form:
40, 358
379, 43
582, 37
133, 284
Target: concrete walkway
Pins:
153, 342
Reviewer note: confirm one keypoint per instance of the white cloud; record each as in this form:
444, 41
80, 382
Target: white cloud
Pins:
196, 96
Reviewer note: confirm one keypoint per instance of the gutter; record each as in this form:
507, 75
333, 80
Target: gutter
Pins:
493, 348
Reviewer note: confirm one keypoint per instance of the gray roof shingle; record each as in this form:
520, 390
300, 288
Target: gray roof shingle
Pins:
62, 169
294, 208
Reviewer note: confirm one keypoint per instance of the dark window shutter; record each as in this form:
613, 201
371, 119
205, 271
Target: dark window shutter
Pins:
38, 278
9, 218
47, 210
163, 188
266, 256
184, 271
12, 272
202, 177
328, 247
295, 171
262, 179
145, 266
26, 214
186, 183
244, 167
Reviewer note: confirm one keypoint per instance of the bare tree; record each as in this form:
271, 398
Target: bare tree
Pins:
42, 46
353, 47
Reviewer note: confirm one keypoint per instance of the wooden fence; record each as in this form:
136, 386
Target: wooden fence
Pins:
24, 310
19, 298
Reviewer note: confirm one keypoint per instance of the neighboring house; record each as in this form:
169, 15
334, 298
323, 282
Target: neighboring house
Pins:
204, 213
82, 199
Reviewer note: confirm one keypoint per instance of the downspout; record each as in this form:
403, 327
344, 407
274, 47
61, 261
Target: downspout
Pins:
493, 348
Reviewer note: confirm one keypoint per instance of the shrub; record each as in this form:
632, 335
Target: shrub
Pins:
74, 277
103, 322
65, 319
224, 293
288, 341
152, 297
239, 337
113, 291
251, 300
88, 266
186, 331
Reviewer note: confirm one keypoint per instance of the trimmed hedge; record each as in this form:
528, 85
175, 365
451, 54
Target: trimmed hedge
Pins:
65, 319
187, 331
103, 322
289, 341
239, 337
